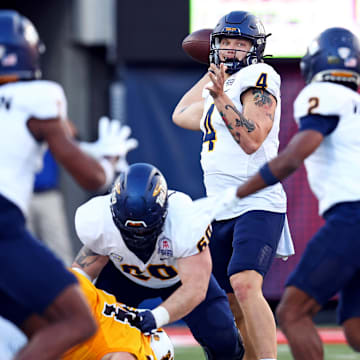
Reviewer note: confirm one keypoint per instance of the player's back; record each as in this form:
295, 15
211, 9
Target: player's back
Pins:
20, 154
114, 334
334, 168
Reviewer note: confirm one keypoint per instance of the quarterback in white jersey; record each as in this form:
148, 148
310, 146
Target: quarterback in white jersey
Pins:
33, 114
143, 241
237, 106
327, 113
219, 148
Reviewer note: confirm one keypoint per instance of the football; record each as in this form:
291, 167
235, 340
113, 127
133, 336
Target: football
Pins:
197, 45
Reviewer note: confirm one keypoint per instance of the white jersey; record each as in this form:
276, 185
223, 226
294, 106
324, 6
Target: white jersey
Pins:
333, 169
186, 232
223, 161
20, 154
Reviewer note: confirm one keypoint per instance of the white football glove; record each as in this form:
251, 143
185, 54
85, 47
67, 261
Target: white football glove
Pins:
113, 140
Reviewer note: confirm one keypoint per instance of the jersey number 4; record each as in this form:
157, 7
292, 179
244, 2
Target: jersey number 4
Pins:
210, 135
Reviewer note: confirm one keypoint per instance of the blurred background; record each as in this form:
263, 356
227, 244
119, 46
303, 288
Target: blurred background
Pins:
124, 59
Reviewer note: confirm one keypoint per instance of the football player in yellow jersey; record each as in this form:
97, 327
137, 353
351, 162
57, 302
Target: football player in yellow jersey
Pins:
116, 338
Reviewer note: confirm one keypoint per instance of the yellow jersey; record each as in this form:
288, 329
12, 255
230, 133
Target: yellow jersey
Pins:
114, 334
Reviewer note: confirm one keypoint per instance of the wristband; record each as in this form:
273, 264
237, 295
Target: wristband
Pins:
161, 316
109, 173
267, 175
82, 272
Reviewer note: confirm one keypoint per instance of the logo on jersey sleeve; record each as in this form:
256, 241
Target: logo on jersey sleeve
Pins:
165, 247
116, 258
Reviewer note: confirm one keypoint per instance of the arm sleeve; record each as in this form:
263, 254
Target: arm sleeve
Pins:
259, 76
323, 124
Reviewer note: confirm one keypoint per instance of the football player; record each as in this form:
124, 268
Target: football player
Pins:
144, 241
237, 107
117, 338
328, 115
33, 114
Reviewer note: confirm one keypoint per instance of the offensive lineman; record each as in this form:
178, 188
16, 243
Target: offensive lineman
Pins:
32, 114
237, 107
157, 244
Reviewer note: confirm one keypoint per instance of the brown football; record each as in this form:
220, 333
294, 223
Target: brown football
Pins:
197, 45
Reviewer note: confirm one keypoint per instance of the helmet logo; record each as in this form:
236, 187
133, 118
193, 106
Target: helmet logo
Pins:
30, 34
232, 30
168, 356
160, 192
344, 52
115, 190
313, 47
9, 60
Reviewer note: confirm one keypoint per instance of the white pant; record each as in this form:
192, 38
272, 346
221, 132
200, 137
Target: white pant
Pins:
12, 339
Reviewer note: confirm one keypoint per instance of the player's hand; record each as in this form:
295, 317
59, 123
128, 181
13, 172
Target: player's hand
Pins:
144, 320
217, 77
113, 140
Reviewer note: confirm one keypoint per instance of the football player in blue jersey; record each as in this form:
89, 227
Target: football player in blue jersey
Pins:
33, 113
237, 106
327, 113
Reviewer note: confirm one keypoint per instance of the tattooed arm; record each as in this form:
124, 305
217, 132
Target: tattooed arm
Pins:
90, 262
249, 128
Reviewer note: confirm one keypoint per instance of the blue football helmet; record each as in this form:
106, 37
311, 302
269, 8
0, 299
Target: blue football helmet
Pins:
139, 206
20, 47
333, 56
239, 24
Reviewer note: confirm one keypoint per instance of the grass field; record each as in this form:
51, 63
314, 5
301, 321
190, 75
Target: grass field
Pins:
332, 352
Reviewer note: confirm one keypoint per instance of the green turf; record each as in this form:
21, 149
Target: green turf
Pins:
332, 352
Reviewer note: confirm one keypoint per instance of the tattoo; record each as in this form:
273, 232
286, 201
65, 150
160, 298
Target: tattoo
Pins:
262, 97
226, 121
270, 116
237, 137
243, 121
82, 258
183, 109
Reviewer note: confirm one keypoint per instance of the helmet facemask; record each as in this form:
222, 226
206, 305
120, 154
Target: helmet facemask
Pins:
139, 238
232, 64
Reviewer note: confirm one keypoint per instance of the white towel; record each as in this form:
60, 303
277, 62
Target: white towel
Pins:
285, 247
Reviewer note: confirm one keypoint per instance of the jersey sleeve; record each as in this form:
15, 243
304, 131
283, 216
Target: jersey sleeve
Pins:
319, 99
323, 124
258, 76
193, 230
45, 99
89, 224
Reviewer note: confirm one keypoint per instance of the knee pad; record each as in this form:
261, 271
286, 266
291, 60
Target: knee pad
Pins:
238, 353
